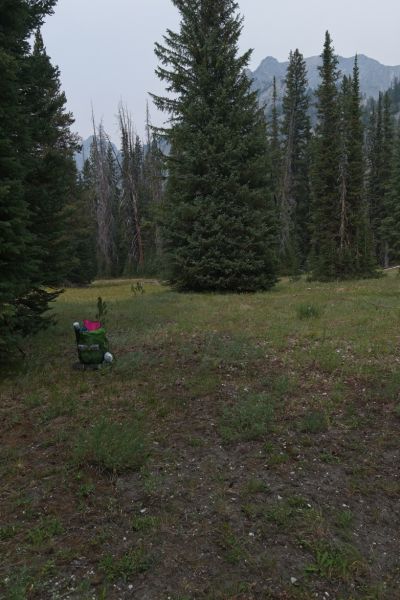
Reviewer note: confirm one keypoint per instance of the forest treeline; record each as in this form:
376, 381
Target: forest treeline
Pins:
233, 202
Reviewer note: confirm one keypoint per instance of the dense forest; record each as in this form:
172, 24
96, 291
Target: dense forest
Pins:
221, 200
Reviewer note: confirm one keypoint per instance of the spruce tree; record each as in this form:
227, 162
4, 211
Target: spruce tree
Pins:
294, 196
22, 303
356, 256
217, 223
380, 157
391, 222
51, 171
387, 164
325, 258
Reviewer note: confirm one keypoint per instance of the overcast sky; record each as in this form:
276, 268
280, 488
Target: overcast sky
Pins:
105, 49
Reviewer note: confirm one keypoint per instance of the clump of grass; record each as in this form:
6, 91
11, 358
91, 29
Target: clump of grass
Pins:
314, 421
231, 545
255, 486
113, 447
59, 405
45, 531
308, 311
336, 561
144, 523
33, 400
130, 564
7, 532
344, 519
250, 419
17, 584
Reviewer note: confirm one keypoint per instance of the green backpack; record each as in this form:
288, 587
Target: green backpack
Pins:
92, 346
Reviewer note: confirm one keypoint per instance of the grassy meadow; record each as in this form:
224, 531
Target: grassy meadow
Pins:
240, 447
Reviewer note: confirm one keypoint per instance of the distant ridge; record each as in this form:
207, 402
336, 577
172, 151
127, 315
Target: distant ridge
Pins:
374, 76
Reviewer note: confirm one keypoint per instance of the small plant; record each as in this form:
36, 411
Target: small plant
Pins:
281, 514
86, 490
336, 562
7, 532
113, 447
137, 289
255, 486
344, 519
44, 532
231, 545
17, 585
251, 419
314, 422
308, 311
144, 523
102, 310
129, 565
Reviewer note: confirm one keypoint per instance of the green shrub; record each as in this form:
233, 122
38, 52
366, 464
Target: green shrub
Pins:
308, 311
314, 421
250, 419
114, 447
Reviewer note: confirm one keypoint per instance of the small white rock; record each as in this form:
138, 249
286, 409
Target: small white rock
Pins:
293, 580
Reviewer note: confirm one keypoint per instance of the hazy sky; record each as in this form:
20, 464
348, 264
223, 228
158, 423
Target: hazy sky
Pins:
105, 49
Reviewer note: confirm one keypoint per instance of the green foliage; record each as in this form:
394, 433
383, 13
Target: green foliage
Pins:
325, 169
336, 561
45, 531
112, 446
256, 486
250, 419
7, 532
137, 289
102, 310
127, 566
144, 523
17, 584
37, 175
314, 422
345, 519
217, 223
308, 311
294, 192
232, 546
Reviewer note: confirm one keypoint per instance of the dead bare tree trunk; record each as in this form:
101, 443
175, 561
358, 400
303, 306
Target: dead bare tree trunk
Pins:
103, 199
129, 187
154, 173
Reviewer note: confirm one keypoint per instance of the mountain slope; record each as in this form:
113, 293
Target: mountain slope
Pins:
374, 76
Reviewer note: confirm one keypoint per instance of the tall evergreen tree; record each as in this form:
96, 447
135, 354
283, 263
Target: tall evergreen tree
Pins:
391, 222
51, 171
217, 221
22, 303
325, 259
380, 160
356, 256
387, 165
294, 196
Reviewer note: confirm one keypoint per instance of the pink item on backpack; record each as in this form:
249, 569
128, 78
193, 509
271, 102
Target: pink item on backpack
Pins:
92, 325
